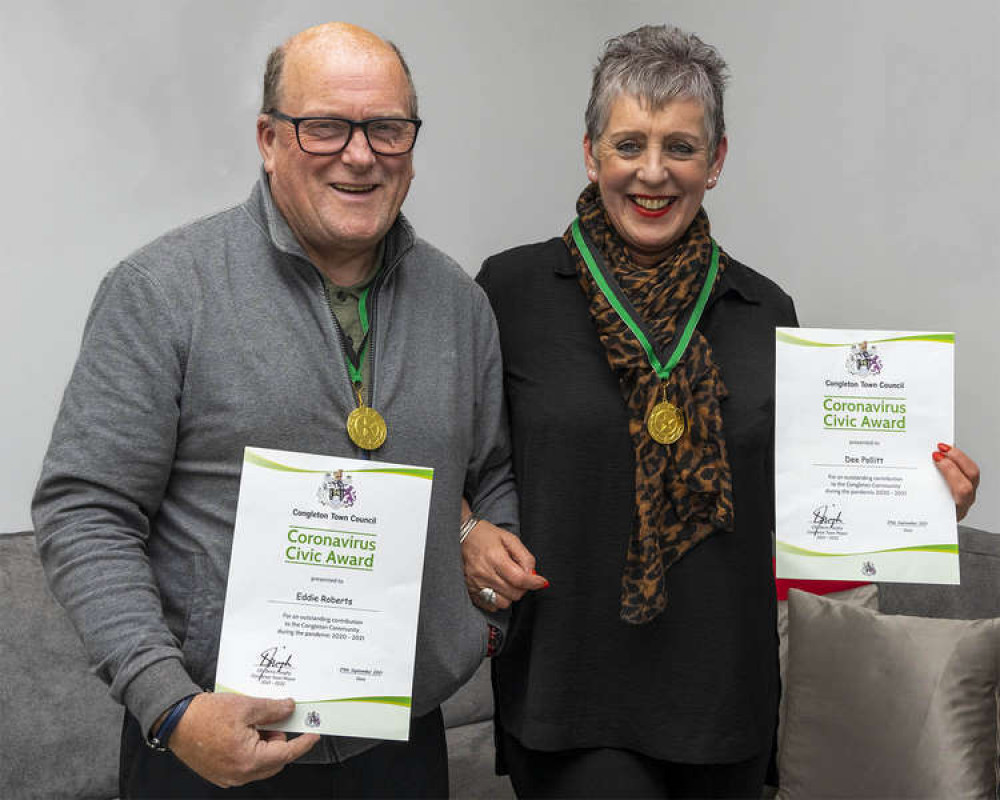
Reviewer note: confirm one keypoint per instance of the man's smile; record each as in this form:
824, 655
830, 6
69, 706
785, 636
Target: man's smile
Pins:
354, 188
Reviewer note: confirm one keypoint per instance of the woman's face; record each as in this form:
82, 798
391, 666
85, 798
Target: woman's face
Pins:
653, 168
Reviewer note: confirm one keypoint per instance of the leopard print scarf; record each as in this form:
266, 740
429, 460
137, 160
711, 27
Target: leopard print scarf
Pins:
683, 491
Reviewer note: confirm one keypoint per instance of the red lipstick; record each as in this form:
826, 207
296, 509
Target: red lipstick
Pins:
648, 212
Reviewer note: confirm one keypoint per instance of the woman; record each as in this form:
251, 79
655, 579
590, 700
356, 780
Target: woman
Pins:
649, 667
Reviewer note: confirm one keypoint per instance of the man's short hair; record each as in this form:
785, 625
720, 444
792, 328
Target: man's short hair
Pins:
271, 95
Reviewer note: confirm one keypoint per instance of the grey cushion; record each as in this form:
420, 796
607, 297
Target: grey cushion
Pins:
866, 596
888, 706
59, 729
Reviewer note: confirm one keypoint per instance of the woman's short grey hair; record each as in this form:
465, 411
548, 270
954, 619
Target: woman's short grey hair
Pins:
271, 96
657, 64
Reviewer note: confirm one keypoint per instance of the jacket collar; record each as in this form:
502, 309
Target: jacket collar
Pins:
738, 278
262, 207
735, 278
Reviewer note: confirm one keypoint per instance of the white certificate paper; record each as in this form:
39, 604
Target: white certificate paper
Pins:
324, 590
858, 414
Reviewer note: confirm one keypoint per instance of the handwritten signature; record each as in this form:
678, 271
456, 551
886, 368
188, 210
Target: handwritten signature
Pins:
821, 516
269, 661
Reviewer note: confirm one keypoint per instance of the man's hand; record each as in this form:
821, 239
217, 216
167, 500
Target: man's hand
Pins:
216, 738
496, 559
961, 474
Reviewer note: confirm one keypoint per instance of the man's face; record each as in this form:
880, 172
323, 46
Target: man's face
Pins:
342, 205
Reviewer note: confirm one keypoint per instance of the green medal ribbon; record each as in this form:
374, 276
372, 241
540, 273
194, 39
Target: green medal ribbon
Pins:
620, 304
665, 422
355, 369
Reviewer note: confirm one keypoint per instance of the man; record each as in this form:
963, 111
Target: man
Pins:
245, 329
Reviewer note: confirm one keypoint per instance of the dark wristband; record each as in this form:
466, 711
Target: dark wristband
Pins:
495, 641
159, 740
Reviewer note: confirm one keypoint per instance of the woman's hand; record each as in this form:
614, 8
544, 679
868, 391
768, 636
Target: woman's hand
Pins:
961, 474
493, 558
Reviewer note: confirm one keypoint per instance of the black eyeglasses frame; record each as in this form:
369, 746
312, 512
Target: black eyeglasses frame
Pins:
363, 124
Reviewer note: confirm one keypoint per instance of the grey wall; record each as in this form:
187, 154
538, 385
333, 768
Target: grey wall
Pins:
860, 176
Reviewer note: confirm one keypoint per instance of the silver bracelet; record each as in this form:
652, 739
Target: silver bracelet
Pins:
467, 527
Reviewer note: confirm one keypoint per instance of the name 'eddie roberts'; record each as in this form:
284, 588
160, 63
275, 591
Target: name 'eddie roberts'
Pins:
309, 597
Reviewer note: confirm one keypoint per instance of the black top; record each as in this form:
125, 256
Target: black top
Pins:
698, 684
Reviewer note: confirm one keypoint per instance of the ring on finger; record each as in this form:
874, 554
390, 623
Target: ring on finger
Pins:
488, 596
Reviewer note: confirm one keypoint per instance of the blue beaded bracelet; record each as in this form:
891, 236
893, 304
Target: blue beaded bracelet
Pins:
159, 741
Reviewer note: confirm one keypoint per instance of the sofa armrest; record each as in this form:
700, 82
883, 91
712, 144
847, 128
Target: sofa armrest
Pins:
60, 730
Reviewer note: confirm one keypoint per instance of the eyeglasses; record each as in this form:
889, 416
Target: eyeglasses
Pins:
327, 136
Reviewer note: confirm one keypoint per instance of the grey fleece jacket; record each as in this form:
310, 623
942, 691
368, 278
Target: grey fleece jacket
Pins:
217, 336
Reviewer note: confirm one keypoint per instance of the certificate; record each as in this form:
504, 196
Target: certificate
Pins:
324, 590
857, 495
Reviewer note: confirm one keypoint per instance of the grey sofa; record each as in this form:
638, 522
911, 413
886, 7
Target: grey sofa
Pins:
59, 730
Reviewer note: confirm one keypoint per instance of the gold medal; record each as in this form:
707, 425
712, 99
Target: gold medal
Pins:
366, 427
666, 421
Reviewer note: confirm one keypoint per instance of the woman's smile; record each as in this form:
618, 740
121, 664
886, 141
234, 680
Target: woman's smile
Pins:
652, 205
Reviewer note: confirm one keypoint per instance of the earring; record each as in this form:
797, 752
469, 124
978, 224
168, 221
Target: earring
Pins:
592, 174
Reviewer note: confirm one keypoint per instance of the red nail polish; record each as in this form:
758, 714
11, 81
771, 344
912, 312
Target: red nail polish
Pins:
546, 586
944, 448
937, 456
533, 572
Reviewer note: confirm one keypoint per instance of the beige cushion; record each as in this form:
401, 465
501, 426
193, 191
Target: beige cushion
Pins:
888, 706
